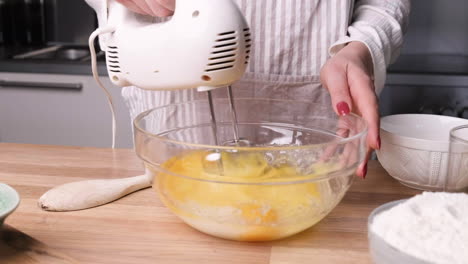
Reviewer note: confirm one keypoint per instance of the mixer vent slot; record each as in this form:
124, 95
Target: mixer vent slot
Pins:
248, 44
113, 59
218, 63
227, 33
223, 55
220, 68
224, 50
225, 45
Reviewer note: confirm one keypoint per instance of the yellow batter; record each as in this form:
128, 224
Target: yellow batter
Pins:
254, 211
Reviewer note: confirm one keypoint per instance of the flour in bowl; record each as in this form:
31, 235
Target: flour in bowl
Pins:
431, 226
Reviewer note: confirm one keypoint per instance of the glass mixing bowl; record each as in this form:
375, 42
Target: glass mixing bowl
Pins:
292, 166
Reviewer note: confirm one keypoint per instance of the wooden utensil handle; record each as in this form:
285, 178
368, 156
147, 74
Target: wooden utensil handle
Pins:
86, 194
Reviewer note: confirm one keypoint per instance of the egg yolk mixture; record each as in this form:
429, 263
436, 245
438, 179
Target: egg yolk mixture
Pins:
252, 200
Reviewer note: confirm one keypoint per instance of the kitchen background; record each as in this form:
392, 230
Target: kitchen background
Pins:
48, 96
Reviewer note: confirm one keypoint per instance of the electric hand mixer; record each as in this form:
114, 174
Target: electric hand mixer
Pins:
204, 46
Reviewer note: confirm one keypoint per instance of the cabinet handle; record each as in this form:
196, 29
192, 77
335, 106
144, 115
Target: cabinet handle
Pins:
54, 85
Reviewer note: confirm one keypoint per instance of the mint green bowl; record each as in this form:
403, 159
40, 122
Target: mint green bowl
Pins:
9, 201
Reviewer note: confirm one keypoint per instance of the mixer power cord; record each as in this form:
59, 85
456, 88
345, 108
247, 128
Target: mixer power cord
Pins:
92, 50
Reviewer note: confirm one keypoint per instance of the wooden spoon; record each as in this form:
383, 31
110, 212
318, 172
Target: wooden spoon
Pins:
86, 194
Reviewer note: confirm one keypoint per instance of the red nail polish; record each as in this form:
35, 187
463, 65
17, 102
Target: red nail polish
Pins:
364, 172
379, 142
343, 108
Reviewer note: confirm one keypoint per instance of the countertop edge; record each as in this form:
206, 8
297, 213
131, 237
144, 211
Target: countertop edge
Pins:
50, 67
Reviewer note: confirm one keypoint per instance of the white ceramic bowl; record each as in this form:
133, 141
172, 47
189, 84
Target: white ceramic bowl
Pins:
415, 148
381, 251
9, 201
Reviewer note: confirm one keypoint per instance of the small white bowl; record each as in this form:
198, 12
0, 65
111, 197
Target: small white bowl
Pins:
9, 201
381, 251
415, 148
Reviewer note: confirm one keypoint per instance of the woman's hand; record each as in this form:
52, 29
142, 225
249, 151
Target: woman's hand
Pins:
159, 8
348, 76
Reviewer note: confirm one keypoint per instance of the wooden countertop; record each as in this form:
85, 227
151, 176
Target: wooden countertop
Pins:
139, 229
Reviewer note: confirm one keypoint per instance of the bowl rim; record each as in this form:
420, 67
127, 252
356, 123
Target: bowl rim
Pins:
382, 208
14, 205
414, 142
338, 141
383, 119
452, 134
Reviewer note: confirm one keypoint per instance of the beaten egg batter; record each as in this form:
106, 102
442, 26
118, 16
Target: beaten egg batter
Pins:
252, 200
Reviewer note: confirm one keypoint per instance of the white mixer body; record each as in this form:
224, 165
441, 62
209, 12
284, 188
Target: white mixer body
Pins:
205, 45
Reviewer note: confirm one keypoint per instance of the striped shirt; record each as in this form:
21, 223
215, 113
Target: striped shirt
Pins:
293, 39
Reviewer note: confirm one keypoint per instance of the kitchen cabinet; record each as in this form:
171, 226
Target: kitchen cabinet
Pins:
431, 75
432, 93
60, 109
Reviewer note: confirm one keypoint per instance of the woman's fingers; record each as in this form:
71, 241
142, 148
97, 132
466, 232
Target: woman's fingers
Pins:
334, 78
143, 6
168, 4
342, 131
130, 4
362, 90
159, 9
362, 169
350, 155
